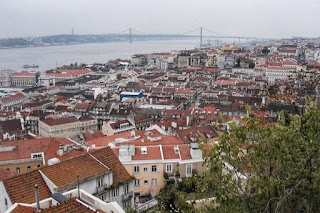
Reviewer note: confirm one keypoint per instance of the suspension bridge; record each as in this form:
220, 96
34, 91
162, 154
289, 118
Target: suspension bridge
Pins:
202, 33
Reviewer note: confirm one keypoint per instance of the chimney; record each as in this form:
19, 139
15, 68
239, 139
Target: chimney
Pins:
60, 150
37, 197
188, 120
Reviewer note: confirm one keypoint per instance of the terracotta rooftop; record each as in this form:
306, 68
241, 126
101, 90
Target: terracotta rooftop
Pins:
5, 174
24, 148
108, 158
66, 172
23, 209
83, 106
24, 74
20, 188
59, 121
168, 152
69, 206
12, 98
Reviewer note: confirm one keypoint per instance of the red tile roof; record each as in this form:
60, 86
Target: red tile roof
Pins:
108, 158
69, 206
153, 153
59, 121
12, 98
5, 174
185, 152
168, 152
66, 172
24, 148
84, 106
23, 209
24, 74
20, 188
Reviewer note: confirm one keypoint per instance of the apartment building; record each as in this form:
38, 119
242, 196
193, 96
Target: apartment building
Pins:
24, 78
99, 173
5, 78
22, 156
153, 165
67, 127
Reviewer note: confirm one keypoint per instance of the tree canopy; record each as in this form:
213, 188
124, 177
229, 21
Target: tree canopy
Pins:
268, 167
260, 167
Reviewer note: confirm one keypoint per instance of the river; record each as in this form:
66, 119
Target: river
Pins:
52, 56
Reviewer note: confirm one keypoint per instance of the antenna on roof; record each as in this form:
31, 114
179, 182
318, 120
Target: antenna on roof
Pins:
78, 186
37, 197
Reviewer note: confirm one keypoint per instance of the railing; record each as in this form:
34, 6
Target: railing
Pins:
147, 205
127, 196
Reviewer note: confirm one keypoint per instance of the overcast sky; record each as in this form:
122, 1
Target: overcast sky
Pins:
261, 18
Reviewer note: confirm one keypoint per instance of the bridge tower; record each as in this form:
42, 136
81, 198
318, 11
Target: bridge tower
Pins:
130, 35
200, 38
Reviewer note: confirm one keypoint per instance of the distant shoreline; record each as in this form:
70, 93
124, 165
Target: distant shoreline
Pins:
109, 39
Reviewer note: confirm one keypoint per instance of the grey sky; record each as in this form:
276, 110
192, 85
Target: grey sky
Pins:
261, 18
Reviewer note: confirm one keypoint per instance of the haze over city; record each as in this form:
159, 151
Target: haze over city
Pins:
260, 18
145, 106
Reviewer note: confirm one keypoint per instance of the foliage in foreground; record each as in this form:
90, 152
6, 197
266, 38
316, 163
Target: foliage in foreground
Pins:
260, 167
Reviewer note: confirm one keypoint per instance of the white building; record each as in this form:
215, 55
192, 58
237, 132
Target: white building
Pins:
99, 173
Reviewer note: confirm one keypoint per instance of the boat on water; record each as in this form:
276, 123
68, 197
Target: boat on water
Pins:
30, 66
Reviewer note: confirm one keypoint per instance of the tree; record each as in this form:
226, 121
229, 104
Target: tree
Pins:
265, 50
267, 167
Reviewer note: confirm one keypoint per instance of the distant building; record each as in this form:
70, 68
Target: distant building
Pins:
12, 100
22, 156
139, 60
67, 127
124, 95
5, 78
113, 128
24, 78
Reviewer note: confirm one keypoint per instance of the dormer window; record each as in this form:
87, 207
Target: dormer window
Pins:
144, 150
36, 155
176, 150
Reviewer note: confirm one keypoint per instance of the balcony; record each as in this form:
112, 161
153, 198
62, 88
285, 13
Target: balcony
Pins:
127, 196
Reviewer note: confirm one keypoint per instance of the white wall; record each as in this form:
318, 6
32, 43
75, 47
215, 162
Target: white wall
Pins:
4, 195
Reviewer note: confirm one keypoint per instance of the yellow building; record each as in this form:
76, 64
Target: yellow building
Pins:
153, 165
67, 127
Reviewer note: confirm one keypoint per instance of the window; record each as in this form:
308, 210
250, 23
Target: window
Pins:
102, 197
99, 183
145, 182
115, 192
126, 189
7, 169
18, 170
189, 170
6, 203
136, 169
169, 168
38, 166
28, 168
154, 168
126, 204
136, 182
154, 182
145, 169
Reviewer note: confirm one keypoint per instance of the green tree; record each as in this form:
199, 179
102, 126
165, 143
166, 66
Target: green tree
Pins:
267, 167
265, 50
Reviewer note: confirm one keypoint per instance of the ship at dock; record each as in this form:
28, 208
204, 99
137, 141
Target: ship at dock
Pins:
26, 66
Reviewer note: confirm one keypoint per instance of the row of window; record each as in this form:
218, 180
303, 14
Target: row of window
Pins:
154, 182
18, 170
136, 169
169, 168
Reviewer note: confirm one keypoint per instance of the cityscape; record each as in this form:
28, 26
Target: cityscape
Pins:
198, 121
